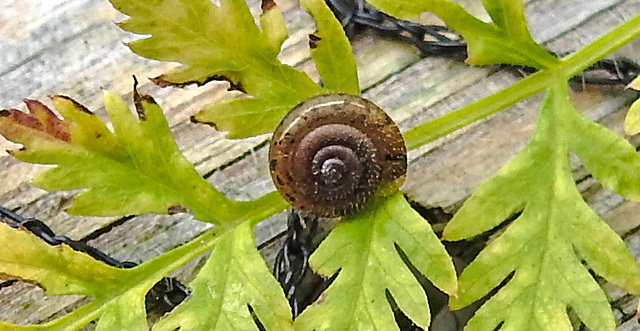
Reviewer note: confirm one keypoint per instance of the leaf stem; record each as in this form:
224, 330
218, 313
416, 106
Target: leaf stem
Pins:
167, 262
570, 66
441, 126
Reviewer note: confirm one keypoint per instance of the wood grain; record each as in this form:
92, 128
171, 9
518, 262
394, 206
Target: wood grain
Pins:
72, 47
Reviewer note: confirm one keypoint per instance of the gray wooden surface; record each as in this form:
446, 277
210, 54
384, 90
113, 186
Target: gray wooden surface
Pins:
72, 47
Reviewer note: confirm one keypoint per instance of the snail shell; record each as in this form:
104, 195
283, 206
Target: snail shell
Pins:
331, 153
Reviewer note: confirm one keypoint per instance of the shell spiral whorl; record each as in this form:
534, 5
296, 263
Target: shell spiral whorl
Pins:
331, 153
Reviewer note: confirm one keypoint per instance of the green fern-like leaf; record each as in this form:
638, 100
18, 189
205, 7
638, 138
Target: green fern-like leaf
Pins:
506, 40
135, 169
541, 250
60, 270
543, 247
331, 50
223, 43
364, 251
234, 279
127, 312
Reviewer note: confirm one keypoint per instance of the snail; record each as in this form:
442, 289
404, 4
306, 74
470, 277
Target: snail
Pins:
332, 153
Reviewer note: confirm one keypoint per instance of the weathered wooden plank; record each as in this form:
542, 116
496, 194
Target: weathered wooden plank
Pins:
72, 47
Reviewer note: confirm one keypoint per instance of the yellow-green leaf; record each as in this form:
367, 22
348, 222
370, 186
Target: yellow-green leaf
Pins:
611, 159
331, 50
219, 42
60, 270
274, 31
126, 312
541, 250
234, 278
506, 40
363, 249
135, 169
243, 117
632, 121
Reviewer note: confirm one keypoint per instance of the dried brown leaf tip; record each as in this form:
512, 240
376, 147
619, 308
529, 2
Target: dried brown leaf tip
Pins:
178, 208
313, 41
195, 119
162, 82
40, 120
267, 5
167, 80
76, 105
138, 99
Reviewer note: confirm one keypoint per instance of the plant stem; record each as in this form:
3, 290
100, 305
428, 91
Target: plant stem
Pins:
570, 66
482, 108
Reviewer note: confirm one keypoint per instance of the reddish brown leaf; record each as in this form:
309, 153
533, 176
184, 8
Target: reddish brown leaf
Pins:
40, 118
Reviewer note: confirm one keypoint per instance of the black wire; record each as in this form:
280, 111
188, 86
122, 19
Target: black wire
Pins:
292, 260
164, 295
356, 16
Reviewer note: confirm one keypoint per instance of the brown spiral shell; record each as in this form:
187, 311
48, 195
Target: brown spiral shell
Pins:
331, 153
